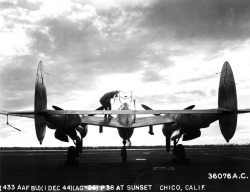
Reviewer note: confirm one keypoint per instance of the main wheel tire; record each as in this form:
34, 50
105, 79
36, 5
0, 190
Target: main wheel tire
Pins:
179, 152
71, 156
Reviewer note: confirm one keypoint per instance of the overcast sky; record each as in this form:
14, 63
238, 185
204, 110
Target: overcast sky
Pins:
168, 52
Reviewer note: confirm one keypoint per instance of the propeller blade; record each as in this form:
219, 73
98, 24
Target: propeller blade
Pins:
148, 108
190, 107
56, 108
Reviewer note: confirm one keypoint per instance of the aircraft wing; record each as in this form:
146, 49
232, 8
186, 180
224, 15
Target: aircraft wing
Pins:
101, 121
28, 114
154, 120
139, 122
243, 111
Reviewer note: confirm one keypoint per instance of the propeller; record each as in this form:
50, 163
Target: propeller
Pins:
148, 108
189, 107
57, 108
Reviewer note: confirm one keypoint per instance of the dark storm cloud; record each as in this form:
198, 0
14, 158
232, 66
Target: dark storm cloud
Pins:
118, 40
151, 75
32, 6
6, 4
83, 46
17, 78
93, 50
199, 19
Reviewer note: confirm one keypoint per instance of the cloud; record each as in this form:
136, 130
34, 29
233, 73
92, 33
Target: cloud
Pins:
151, 75
194, 20
85, 40
94, 40
89, 47
197, 79
180, 98
17, 82
29, 5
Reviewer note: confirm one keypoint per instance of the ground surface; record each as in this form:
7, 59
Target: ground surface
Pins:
211, 169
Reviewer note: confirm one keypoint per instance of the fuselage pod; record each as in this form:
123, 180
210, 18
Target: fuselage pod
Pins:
126, 120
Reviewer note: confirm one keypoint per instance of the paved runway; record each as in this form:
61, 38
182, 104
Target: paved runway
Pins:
211, 169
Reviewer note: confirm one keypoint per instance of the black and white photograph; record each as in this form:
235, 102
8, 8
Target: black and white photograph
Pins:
125, 95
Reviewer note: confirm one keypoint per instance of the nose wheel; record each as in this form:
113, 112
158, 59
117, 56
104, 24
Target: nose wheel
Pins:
124, 151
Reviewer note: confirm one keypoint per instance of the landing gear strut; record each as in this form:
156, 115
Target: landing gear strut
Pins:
124, 151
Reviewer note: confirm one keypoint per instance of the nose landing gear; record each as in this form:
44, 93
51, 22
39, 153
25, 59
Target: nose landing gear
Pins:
124, 151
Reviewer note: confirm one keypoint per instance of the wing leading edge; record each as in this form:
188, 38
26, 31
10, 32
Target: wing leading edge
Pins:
130, 112
30, 114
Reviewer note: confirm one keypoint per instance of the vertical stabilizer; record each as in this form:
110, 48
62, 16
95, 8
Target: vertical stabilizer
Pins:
227, 99
40, 102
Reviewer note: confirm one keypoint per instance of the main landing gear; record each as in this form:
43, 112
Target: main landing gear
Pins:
124, 151
72, 155
179, 153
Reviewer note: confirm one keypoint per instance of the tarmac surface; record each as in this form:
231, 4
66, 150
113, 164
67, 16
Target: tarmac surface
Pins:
212, 169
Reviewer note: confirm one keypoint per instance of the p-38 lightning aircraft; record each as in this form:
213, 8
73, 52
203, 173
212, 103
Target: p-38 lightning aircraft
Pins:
176, 123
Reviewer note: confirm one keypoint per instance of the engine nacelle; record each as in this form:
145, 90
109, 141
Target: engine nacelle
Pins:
191, 135
195, 121
61, 136
168, 130
63, 122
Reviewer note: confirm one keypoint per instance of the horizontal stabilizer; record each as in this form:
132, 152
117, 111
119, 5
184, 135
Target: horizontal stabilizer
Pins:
28, 114
243, 111
130, 112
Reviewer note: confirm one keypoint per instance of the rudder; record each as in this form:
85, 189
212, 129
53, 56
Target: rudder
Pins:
40, 102
227, 99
